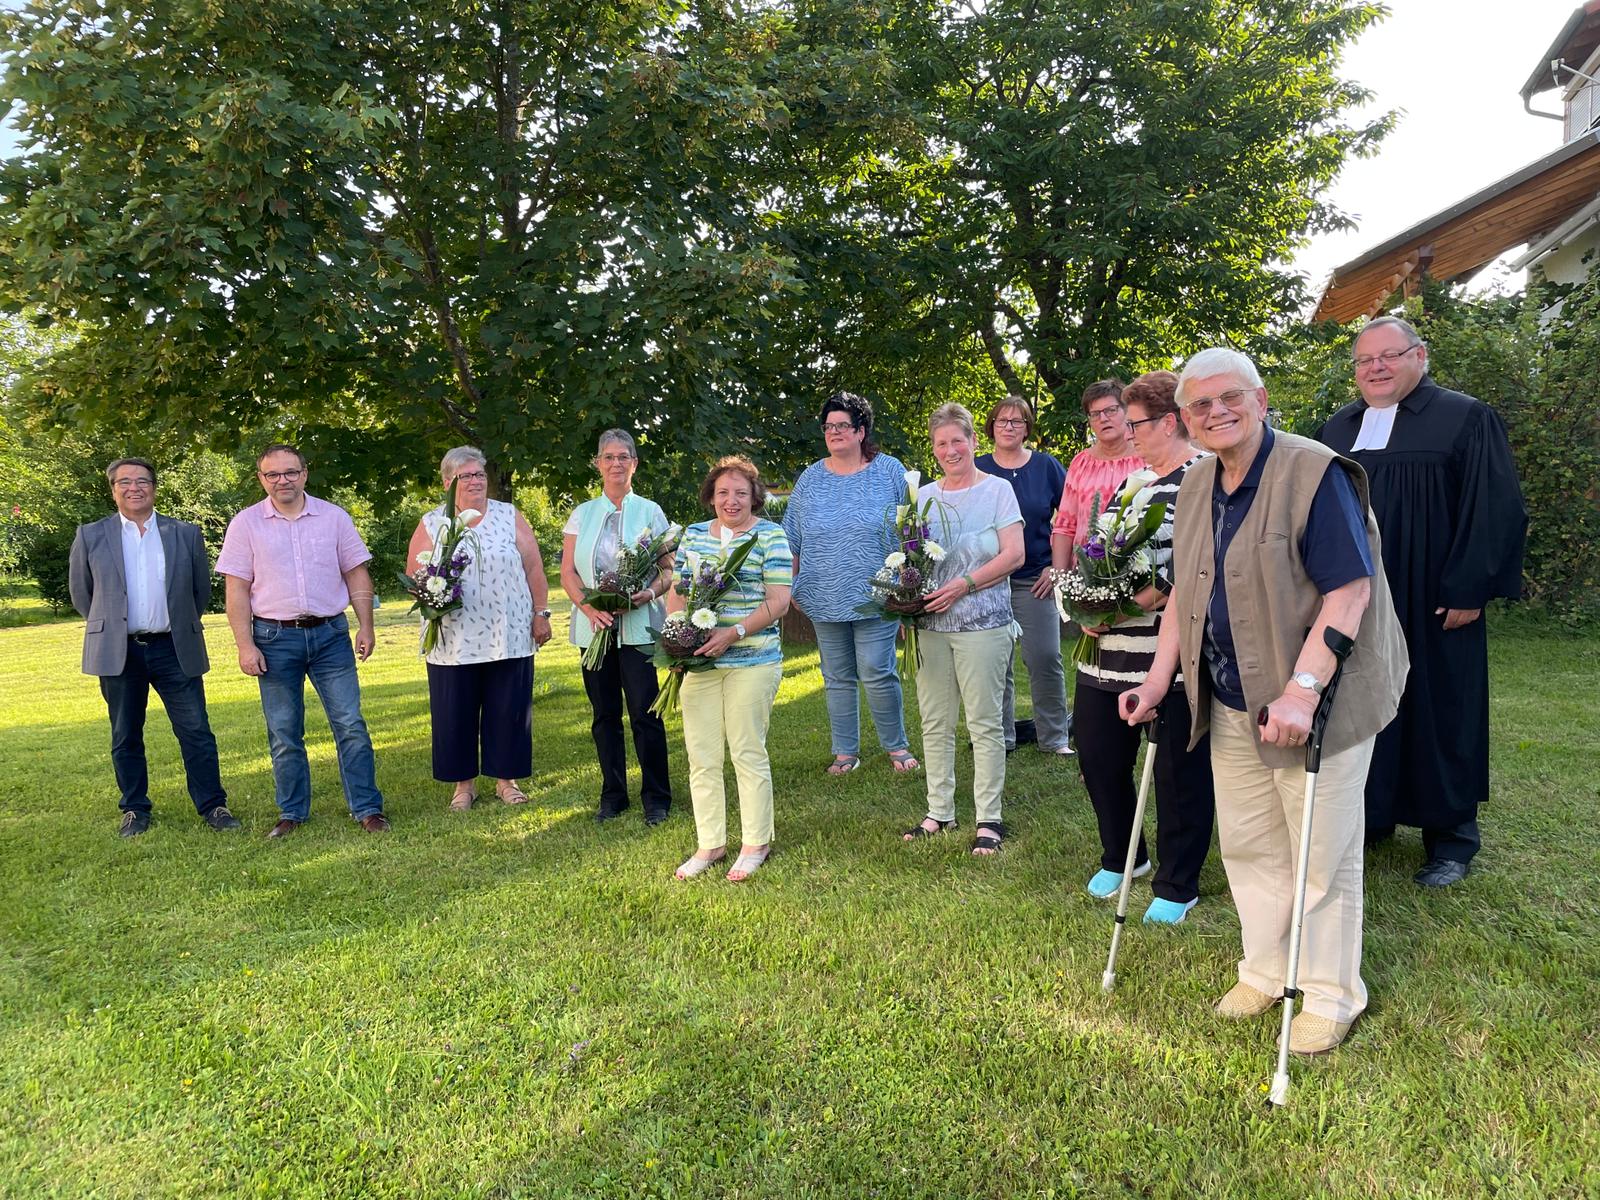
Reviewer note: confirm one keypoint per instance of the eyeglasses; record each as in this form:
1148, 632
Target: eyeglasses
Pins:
282, 476
838, 426
132, 485
1388, 358
1011, 423
616, 460
1105, 414
472, 476
1143, 421
1234, 398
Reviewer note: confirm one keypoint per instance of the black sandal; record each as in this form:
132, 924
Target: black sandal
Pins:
985, 842
919, 830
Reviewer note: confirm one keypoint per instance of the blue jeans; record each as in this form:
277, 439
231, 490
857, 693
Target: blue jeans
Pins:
154, 663
856, 653
323, 654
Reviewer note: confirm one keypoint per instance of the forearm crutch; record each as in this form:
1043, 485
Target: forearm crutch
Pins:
1341, 645
1108, 980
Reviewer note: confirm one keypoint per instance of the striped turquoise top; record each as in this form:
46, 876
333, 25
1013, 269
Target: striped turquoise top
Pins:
769, 565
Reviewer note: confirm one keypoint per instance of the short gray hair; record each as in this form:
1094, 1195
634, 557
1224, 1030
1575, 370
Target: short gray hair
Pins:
1400, 323
951, 414
455, 459
1218, 360
620, 437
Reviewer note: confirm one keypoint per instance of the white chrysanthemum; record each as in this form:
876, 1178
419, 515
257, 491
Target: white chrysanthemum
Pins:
896, 559
437, 586
424, 558
704, 618
934, 551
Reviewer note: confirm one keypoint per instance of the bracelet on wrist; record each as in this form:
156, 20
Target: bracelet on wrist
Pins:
972, 584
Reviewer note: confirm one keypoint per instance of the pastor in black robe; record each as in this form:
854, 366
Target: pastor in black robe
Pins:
1450, 511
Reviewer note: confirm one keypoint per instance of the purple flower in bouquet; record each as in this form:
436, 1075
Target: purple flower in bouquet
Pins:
1094, 549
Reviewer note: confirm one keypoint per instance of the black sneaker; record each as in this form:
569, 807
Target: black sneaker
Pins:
655, 816
1027, 732
134, 823
219, 818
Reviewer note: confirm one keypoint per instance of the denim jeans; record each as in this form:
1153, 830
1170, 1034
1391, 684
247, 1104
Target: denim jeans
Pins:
855, 653
154, 663
324, 655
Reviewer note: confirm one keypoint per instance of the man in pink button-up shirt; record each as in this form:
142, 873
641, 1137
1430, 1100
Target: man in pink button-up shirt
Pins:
292, 564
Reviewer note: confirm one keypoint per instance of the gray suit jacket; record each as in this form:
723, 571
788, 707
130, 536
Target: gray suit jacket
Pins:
100, 593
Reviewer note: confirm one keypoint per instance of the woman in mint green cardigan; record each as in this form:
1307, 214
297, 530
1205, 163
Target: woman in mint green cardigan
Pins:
594, 534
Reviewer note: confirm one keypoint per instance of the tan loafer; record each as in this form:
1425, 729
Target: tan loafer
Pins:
1244, 1001
1313, 1034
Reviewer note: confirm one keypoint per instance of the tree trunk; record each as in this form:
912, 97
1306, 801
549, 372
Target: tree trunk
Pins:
502, 481
796, 628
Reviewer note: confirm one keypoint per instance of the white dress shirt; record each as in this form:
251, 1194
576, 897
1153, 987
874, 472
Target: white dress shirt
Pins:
144, 567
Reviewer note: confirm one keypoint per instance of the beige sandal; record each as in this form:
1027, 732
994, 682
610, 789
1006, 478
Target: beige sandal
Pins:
510, 793
465, 796
695, 865
748, 864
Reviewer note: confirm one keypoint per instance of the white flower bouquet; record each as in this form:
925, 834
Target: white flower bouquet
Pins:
435, 587
705, 581
1114, 564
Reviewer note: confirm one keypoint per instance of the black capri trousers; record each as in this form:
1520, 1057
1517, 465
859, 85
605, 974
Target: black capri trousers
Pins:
487, 704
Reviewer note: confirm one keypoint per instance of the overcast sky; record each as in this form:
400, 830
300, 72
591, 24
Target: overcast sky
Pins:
1454, 68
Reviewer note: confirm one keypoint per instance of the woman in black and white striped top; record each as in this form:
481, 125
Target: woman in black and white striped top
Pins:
1107, 748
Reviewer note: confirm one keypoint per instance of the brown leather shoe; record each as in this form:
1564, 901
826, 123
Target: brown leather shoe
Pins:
283, 828
375, 823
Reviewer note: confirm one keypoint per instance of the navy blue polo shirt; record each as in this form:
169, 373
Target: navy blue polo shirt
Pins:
1333, 548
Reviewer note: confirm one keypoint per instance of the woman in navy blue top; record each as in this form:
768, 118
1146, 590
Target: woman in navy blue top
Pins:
1037, 479
837, 523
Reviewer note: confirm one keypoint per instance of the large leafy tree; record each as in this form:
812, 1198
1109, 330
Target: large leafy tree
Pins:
1121, 179
383, 227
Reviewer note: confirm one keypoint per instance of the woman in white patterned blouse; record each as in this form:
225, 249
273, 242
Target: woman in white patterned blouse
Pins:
480, 672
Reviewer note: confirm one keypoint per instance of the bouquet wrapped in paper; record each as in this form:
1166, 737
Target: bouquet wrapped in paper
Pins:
435, 587
614, 590
1114, 564
898, 590
705, 581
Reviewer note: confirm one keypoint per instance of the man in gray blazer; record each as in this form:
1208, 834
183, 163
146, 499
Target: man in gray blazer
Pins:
142, 580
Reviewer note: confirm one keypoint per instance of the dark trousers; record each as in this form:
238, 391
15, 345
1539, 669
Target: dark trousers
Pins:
486, 705
1458, 843
154, 663
1108, 756
628, 674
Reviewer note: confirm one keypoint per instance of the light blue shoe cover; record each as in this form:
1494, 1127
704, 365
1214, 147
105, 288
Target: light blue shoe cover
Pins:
1167, 912
1104, 885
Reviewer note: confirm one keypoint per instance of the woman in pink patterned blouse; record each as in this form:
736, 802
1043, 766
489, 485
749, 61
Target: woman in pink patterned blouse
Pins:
1099, 471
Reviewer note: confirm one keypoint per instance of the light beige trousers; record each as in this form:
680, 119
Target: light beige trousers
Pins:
1259, 812
964, 670
730, 706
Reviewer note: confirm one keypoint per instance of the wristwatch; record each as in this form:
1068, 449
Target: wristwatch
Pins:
543, 612
739, 629
1308, 681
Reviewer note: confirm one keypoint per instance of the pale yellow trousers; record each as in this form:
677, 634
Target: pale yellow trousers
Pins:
964, 670
1259, 813
730, 706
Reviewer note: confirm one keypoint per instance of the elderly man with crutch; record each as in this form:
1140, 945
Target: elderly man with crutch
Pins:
1274, 547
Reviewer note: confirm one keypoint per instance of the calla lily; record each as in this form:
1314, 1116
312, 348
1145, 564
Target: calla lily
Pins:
467, 515
913, 484
1136, 483
900, 511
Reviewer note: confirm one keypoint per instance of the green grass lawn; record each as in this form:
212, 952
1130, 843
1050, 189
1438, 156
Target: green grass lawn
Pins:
516, 1002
